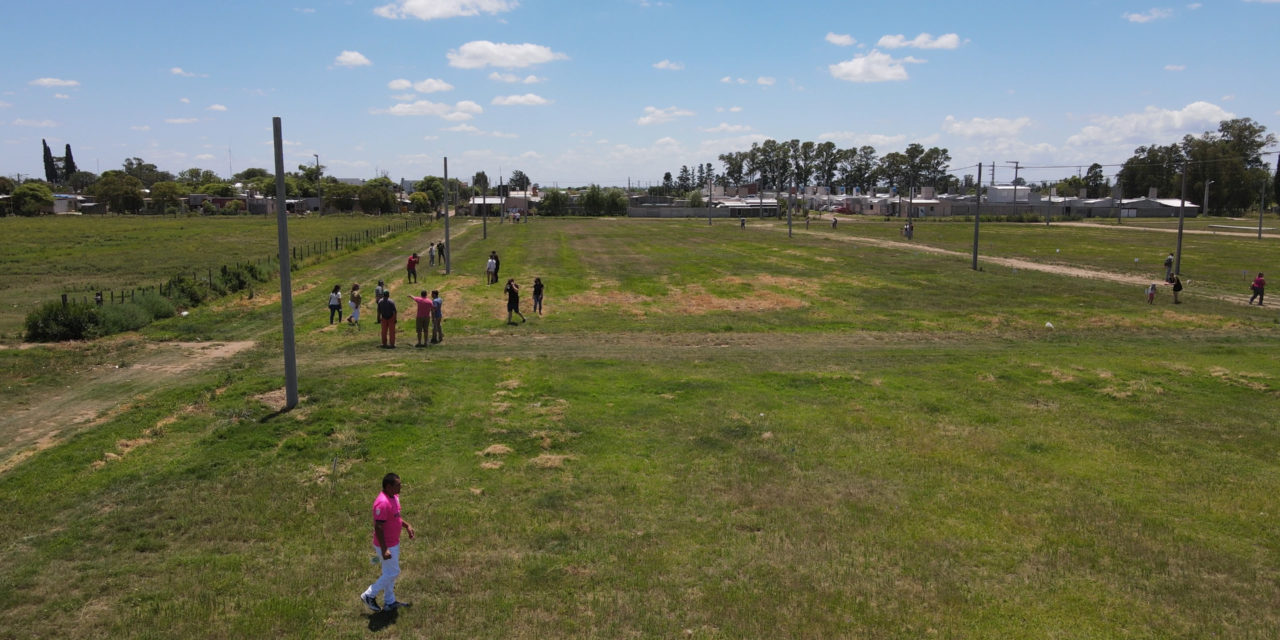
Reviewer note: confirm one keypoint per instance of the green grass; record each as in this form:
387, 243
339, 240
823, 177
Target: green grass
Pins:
714, 434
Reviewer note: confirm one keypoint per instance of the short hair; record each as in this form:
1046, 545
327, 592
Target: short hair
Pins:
435, 294
424, 293
388, 479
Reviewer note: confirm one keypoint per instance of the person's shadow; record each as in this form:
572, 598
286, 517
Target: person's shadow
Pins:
383, 619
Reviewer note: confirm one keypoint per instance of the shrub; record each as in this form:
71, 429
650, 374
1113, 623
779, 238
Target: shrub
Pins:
118, 318
55, 321
156, 305
186, 292
240, 277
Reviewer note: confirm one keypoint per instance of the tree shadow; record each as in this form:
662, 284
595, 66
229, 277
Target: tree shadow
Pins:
383, 619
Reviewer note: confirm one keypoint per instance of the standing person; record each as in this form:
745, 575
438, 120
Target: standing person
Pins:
335, 303
1151, 294
497, 264
513, 300
355, 301
537, 295
1259, 286
437, 316
488, 270
431, 255
1177, 287
387, 317
411, 268
1168, 268
387, 524
423, 321
378, 291
440, 252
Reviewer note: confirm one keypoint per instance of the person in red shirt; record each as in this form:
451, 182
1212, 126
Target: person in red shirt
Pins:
387, 524
423, 322
1259, 285
412, 268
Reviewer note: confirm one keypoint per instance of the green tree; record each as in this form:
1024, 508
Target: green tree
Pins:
165, 195
196, 176
121, 191
218, 189
593, 201
340, 196
377, 197
1095, 182
894, 169
826, 159
433, 188
420, 202
519, 181
481, 183
735, 164
695, 199
6, 186
50, 168
858, 168
252, 173
81, 180
31, 199
68, 163
615, 202
554, 203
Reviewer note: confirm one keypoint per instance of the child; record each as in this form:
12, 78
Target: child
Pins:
1151, 294
355, 301
335, 303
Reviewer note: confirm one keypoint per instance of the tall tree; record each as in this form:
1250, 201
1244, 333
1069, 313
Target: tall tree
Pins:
734, 166
480, 181
826, 158
685, 181
31, 199
519, 181
50, 168
1094, 182
68, 163
121, 191
858, 168
146, 172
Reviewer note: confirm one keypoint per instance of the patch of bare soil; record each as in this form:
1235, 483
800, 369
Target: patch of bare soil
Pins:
550, 461
100, 393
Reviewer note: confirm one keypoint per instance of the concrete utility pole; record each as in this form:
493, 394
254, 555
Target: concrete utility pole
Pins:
1177, 262
286, 294
977, 217
448, 251
1204, 206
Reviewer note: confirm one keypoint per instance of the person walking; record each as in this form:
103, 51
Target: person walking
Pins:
387, 317
335, 303
411, 268
387, 523
422, 323
1177, 288
513, 300
1168, 268
437, 317
488, 270
537, 295
1259, 286
354, 300
431, 255
497, 265
1151, 293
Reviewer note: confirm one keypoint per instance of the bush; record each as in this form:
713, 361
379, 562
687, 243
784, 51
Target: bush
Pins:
156, 305
118, 318
240, 277
186, 292
55, 321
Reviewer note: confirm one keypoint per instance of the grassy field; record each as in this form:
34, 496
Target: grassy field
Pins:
711, 433
43, 258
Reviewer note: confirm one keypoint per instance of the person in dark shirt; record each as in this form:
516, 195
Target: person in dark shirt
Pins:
387, 317
513, 300
537, 295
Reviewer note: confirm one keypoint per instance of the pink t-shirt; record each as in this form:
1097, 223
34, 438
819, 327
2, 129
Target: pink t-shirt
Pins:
424, 306
387, 509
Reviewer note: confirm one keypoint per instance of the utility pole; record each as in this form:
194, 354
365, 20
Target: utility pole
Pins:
286, 294
977, 216
1177, 262
448, 251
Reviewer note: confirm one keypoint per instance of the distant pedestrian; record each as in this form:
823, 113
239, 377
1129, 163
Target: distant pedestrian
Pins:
497, 266
911, 230
387, 523
437, 317
411, 268
742, 222
1177, 288
513, 300
1259, 286
440, 252
387, 317
1168, 268
488, 270
833, 221
431, 255
378, 291
537, 295
354, 300
1151, 294
335, 303
422, 323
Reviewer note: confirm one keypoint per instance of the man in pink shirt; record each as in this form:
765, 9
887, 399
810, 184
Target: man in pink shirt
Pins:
423, 323
386, 539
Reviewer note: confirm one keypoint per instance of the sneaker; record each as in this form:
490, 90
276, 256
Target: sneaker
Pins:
372, 603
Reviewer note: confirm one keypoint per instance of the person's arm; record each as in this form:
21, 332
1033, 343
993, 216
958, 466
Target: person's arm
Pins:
404, 524
378, 526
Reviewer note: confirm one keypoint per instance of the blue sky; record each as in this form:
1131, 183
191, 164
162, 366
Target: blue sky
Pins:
608, 91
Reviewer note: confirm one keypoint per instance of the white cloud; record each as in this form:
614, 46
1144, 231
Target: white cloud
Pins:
668, 65
512, 78
985, 127
464, 110
463, 128
922, 41
205, 156
872, 67
181, 120
859, 139
1196, 5
729, 80
53, 82
23, 122
179, 71
1152, 125
140, 127
438, 9
478, 54
1153, 14
351, 59
61, 96
184, 100
725, 127
840, 39
654, 115
766, 81
405, 97
526, 100
1175, 67
399, 84
216, 107
431, 85
4, 104
1229, 97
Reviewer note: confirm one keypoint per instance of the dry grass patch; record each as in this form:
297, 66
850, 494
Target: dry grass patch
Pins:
1239, 378
391, 374
551, 460
491, 464
495, 450
508, 384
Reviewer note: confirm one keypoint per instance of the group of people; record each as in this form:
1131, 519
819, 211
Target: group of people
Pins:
1171, 279
491, 268
428, 323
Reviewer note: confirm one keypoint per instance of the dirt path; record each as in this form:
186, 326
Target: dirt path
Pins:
102, 392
